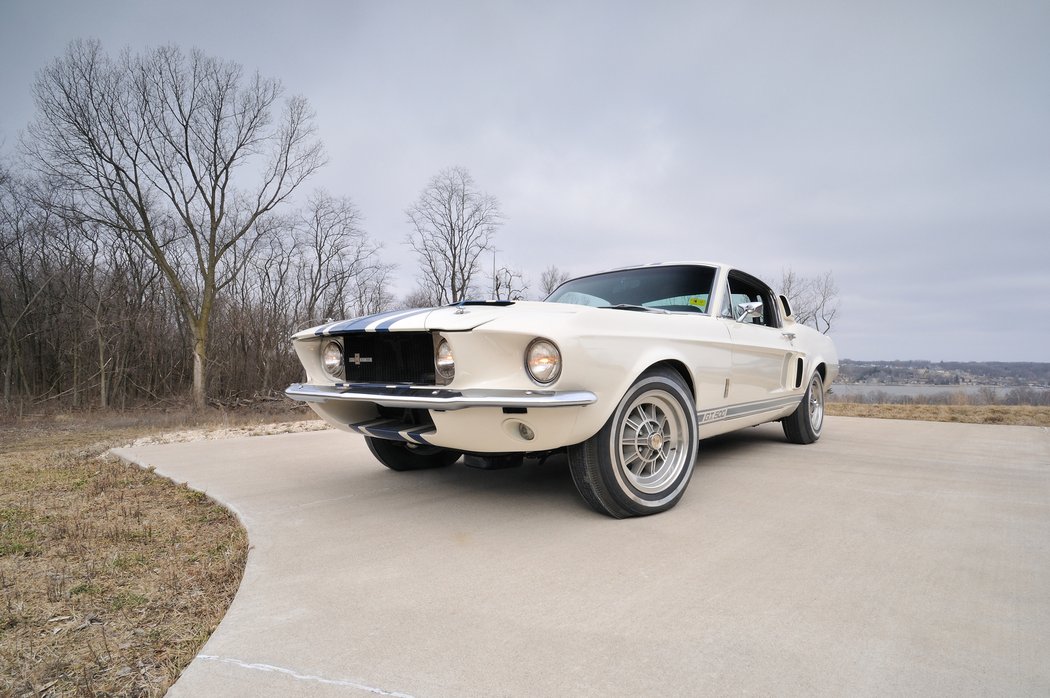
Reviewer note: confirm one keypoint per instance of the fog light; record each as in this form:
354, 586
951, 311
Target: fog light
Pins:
525, 432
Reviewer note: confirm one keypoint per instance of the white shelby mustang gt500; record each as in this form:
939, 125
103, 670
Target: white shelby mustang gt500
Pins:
625, 371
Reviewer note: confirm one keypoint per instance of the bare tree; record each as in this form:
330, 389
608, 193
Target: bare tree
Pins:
322, 265
368, 292
551, 278
814, 300
453, 224
508, 284
420, 298
338, 252
181, 154
26, 270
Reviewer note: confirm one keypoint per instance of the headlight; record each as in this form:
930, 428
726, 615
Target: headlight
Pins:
444, 361
332, 359
543, 361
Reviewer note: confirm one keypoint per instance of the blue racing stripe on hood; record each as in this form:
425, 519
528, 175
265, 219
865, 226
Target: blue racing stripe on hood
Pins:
346, 324
386, 324
358, 324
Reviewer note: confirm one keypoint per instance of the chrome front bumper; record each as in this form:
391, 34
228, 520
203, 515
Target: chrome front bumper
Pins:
413, 397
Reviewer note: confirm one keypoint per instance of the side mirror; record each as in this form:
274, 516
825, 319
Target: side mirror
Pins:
787, 305
746, 311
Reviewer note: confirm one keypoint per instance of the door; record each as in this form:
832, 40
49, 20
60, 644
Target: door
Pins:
761, 375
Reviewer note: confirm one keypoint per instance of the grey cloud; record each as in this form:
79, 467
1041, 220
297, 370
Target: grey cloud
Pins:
901, 145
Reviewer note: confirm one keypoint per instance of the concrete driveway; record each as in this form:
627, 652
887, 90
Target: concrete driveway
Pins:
889, 558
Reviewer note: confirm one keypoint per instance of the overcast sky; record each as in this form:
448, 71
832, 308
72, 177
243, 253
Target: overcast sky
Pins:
903, 146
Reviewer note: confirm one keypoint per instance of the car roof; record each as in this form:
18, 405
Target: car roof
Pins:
696, 263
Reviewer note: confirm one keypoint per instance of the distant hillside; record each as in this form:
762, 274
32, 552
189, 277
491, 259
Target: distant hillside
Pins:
997, 373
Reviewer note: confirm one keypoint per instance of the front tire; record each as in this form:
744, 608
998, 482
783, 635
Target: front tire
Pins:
640, 462
804, 425
402, 456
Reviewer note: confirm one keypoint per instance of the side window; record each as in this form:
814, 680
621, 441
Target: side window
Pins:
744, 289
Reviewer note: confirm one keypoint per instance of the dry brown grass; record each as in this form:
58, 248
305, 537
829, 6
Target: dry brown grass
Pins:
111, 578
970, 414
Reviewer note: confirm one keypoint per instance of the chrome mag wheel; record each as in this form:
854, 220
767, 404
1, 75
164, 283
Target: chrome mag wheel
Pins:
816, 403
652, 448
641, 461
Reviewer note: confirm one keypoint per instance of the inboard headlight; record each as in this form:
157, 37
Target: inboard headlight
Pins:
444, 362
332, 359
543, 361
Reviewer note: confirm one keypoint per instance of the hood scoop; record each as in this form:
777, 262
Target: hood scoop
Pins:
462, 306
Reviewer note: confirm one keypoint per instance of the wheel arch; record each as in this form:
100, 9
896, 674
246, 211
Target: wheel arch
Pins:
676, 366
822, 369
609, 469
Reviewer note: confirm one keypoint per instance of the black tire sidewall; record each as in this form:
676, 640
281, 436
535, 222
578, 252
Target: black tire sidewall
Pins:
396, 455
805, 422
815, 433
798, 427
611, 470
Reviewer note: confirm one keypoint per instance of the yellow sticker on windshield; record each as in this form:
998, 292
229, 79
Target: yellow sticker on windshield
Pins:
698, 302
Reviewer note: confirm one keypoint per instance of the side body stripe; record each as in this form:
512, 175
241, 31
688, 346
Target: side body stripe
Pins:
745, 409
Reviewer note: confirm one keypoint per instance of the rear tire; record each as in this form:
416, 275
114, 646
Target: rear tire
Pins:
402, 456
804, 425
641, 460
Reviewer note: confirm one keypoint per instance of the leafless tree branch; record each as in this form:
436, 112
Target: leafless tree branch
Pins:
181, 154
453, 224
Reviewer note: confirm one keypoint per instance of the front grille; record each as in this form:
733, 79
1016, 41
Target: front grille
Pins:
396, 357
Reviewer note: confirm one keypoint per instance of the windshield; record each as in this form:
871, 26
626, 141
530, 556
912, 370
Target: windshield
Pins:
670, 288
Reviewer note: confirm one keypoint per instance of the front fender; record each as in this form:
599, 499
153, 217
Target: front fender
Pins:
608, 363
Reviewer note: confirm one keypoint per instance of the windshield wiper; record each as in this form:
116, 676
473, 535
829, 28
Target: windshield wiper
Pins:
638, 308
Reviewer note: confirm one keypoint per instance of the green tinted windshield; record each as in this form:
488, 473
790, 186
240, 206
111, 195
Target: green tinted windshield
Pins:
673, 288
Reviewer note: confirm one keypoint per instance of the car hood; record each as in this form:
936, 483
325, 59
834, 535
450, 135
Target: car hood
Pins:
468, 317
452, 318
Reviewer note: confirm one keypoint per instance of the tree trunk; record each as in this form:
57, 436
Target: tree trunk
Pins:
8, 370
200, 364
102, 389
76, 374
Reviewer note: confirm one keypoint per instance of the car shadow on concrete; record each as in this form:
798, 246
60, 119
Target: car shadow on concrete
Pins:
547, 483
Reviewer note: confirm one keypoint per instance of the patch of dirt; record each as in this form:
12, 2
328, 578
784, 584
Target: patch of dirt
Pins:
208, 434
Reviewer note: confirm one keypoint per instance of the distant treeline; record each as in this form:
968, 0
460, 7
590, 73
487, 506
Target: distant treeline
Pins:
998, 373
985, 395
88, 320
